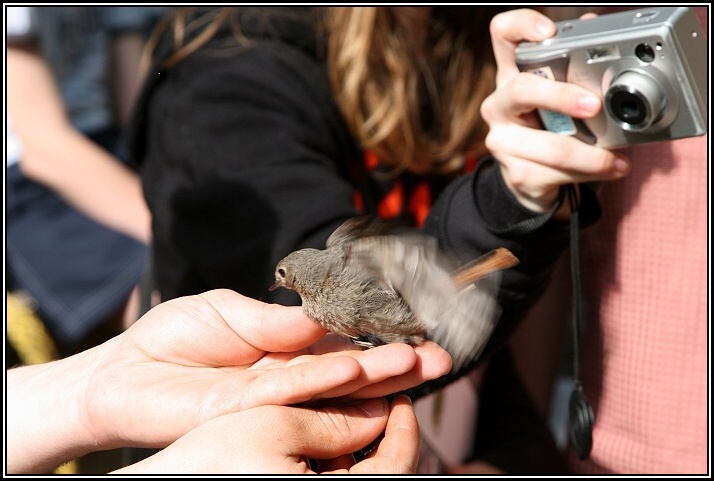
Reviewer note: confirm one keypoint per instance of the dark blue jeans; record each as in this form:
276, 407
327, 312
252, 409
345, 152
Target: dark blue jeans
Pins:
77, 271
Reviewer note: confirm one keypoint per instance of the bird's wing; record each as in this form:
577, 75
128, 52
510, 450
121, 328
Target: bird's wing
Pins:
459, 320
465, 326
357, 228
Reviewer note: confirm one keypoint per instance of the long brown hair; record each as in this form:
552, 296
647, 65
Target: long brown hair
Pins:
415, 104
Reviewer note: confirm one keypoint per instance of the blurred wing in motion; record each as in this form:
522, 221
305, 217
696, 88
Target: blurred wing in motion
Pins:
357, 228
458, 306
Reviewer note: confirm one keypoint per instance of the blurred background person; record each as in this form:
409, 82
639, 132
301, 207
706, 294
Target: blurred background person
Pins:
77, 225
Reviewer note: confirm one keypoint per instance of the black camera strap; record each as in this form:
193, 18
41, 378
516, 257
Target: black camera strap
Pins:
581, 417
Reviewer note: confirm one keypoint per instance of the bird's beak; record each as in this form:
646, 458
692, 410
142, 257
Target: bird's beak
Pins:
276, 284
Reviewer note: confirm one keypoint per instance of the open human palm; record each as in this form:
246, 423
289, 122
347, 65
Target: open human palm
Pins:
220, 352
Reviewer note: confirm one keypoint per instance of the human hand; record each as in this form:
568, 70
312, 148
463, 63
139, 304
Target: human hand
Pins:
534, 162
192, 359
280, 439
186, 362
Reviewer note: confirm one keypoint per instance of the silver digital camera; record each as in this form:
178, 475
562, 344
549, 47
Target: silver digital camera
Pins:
649, 67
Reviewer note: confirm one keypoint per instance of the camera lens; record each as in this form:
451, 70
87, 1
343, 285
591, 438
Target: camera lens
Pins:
628, 107
635, 99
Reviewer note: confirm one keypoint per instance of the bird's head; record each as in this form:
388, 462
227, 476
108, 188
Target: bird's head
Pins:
294, 270
283, 277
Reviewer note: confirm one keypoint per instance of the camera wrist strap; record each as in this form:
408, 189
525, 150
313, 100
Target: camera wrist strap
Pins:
581, 417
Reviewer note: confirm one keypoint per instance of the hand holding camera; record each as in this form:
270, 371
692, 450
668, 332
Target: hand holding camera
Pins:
535, 163
647, 65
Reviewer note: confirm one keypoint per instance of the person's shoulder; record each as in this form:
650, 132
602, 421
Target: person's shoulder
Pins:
297, 27
133, 18
276, 48
269, 42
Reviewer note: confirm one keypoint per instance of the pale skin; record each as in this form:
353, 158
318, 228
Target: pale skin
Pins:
65, 160
536, 165
195, 359
277, 439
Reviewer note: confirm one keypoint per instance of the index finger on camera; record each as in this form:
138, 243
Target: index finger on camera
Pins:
528, 92
561, 152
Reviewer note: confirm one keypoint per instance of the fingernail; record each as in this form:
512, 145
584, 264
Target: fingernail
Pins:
621, 165
589, 103
373, 407
544, 28
404, 398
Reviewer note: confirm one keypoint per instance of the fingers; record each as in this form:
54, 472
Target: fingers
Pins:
358, 374
269, 439
555, 158
398, 452
389, 366
535, 179
220, 328
392, 368
535, 166
525, 92
321, 377
270, 327
431, 362
331, 432
512, 27
534, 162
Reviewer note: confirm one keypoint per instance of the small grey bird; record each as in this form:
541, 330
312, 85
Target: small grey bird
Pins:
377, 286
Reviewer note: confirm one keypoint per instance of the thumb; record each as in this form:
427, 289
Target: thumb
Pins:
510, 28
269, 439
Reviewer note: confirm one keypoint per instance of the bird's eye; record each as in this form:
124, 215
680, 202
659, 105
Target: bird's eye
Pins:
281, 271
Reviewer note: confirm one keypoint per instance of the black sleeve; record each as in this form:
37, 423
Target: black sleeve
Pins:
246, 160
